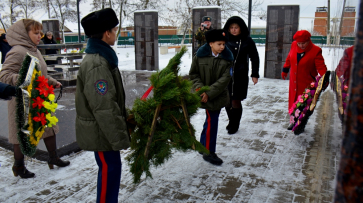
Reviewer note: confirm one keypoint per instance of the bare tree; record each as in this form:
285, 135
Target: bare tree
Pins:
235, 7
126, 8
101, 4
29, 7
181, 15
14, 13
2, 9
64, 10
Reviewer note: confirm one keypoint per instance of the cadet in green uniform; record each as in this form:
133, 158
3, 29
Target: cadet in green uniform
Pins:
211, 67
100, 103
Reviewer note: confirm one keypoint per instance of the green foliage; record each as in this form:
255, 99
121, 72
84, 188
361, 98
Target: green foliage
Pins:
171, 130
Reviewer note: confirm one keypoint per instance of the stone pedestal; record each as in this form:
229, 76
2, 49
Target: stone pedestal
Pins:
198, 12
282, 23
163, 50
146, 40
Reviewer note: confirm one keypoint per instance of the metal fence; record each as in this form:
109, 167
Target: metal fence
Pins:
177, 39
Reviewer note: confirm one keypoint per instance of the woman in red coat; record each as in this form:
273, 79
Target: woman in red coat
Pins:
305, 61
345, 63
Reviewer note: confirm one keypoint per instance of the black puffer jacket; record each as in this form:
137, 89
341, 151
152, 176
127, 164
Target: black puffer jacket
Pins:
242, 47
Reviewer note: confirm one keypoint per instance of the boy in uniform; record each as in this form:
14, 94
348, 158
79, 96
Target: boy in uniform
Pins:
211, 67
100, 103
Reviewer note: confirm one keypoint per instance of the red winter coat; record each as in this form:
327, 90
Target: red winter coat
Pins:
345, 63
302, 73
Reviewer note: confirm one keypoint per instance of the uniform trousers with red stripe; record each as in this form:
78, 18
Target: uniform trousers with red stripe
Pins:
210, 130
109, 175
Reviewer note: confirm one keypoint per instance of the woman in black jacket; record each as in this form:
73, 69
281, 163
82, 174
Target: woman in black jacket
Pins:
49, 39
243, 48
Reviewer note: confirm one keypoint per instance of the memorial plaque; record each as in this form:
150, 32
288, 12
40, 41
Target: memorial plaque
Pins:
53, 26
146, 40
282, 23
198, 12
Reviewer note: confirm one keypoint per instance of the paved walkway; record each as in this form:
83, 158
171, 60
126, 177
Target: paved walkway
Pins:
263, 162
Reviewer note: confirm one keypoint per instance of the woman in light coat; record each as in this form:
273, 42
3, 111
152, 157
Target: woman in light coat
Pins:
24, 36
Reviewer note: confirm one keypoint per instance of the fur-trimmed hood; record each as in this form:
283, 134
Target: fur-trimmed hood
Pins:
240, 22
17, 35
206, 50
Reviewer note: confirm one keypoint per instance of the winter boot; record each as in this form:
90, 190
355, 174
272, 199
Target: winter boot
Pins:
20, 170
236, 114
55, 160
228, 110
212, 158
291, 126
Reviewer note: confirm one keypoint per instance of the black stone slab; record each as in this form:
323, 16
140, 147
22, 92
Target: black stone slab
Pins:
198, 12
135, 84
146, 40
281, 25
53, 26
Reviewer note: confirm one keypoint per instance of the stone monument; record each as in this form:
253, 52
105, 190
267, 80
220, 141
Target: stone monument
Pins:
281, 25
146, 40
53, 26
198, 12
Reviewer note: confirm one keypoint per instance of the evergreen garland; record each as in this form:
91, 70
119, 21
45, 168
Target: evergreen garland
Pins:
171, 131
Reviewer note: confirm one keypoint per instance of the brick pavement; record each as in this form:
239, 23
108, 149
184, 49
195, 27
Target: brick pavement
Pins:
263, 162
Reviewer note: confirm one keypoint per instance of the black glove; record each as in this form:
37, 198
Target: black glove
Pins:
10, 90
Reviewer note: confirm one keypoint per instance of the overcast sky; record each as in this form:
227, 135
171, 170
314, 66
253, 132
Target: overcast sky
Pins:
308, 8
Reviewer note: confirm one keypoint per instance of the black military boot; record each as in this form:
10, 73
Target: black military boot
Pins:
213, 158
236, 114
19, 169
55, 160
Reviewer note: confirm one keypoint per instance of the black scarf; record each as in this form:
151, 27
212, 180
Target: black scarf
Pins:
97, 46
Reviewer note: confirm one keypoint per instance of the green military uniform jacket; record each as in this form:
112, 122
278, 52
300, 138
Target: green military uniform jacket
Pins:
200, 36
100, 105
207, 70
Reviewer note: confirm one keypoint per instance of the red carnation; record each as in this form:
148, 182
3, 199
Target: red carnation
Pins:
43, 90
42, 81
40, 118
38, 102
50, 89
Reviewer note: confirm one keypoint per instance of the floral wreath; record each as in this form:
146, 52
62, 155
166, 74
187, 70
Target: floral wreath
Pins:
35, 105
305, 104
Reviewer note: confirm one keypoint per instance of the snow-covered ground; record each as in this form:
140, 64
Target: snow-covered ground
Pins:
262, 162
